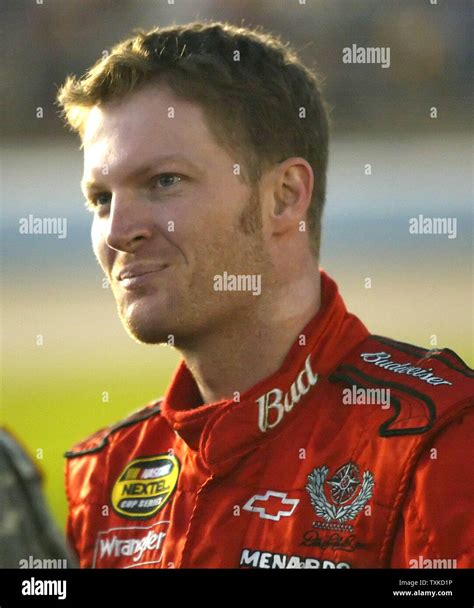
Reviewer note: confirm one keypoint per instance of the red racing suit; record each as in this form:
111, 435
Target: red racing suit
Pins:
354, 454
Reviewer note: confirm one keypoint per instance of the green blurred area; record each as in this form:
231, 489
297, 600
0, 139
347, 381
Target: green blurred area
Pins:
86, 374
48, 412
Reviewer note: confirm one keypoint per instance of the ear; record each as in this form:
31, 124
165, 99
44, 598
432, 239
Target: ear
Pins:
292, 190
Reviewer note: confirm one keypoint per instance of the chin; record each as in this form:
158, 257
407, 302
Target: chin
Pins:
146, 333
146, 326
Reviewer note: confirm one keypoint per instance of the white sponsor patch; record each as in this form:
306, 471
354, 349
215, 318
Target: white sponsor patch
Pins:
272, 406
384, 360
130, 547
272, 505
253, 558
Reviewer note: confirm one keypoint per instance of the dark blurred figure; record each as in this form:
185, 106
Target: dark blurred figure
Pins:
28, 536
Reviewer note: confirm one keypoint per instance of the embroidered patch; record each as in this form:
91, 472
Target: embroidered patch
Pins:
340, 499
272, 505
130, 546
145, 486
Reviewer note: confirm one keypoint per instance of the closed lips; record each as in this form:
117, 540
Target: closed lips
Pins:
137, 272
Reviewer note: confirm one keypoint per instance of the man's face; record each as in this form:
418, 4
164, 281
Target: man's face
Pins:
168, 210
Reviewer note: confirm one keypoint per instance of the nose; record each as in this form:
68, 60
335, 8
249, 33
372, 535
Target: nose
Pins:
129, 224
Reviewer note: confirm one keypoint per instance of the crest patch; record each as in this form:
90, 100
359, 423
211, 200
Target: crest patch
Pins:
340, 499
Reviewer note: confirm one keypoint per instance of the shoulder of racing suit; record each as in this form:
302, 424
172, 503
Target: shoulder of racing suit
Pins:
98, 440
423, 387
426, 388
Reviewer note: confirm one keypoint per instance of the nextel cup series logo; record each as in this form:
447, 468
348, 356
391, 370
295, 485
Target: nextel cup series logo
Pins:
145, 486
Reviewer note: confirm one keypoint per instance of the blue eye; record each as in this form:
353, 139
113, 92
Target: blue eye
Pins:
168, 179
162, 181
100, 199
103, 198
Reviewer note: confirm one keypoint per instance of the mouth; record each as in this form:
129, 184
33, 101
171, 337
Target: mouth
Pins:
132, 278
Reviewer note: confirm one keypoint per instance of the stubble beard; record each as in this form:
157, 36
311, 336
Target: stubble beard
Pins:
188, 325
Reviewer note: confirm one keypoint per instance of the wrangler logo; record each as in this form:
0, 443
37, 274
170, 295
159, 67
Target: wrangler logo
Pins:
131, 546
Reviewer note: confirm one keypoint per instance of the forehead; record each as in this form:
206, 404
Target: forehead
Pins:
146, 123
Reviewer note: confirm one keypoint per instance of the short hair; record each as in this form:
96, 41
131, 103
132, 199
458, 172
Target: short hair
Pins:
259, 99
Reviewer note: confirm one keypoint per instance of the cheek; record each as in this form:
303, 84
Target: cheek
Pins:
98, 244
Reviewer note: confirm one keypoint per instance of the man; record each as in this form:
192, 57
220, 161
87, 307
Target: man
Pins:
289, 437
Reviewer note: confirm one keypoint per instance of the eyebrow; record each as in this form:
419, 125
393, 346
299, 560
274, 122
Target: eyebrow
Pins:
88, 186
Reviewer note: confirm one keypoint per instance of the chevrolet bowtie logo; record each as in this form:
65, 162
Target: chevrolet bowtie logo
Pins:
275, 505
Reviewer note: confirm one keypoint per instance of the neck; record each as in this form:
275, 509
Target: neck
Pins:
254, 346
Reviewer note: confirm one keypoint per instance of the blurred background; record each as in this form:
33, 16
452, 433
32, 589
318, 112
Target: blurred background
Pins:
53, 393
